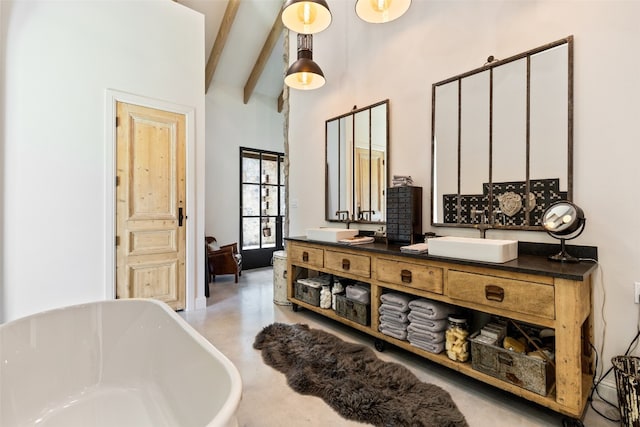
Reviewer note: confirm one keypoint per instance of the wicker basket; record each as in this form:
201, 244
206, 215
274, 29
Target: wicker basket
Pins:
627, 371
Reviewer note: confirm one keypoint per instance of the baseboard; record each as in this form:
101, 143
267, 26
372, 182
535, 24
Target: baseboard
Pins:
201, 303
608, 390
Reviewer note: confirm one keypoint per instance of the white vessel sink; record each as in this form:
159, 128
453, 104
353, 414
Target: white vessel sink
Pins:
326, 234
487, 250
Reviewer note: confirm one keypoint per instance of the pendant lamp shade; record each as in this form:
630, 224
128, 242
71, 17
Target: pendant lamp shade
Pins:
306, 16
304, 74
381, 11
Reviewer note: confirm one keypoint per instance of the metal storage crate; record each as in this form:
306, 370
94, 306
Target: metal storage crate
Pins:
308, 294
530, 373
353, 310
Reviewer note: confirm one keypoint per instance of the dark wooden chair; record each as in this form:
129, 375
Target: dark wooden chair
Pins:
225, 260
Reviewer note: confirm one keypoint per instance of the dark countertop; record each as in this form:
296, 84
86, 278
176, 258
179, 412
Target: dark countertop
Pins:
525, 263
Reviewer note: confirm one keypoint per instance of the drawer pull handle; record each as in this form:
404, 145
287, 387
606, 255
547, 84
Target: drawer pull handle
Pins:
305, 256
405, 276
494, 293
346, 264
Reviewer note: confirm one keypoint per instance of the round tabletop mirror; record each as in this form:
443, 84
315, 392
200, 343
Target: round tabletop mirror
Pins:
565, 221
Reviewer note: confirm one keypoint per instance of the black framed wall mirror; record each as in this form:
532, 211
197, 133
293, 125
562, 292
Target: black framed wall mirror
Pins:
502, 140
356, 153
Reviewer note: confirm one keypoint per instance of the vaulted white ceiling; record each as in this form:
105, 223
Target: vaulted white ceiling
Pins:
247, 34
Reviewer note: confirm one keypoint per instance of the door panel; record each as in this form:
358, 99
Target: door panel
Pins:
153, 280
151, 188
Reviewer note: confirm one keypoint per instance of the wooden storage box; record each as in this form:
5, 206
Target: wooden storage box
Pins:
307, 293
353, 310
530, 373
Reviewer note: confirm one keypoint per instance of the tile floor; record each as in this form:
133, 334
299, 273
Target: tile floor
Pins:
235, 313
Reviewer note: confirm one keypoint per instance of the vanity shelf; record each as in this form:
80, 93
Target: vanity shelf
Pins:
533, 290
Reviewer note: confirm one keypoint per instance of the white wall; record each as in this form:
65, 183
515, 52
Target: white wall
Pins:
231, 124
438, 39
2, 109
60, 57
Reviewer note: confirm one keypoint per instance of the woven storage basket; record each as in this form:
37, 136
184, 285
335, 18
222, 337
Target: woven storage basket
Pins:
627, 371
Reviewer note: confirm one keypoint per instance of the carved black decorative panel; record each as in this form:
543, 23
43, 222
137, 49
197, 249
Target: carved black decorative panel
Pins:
509, 205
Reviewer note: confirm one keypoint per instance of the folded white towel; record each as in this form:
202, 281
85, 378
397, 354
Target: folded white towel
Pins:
393, 332
393, 313
359, 240
430, 337
428, 324
398, 300
430, 309
387, 307
391, 322
430, 347
427, 336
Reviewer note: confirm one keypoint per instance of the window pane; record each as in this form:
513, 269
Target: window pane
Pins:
268, 232
283, 211
269, 169
250, 233
250, 167
270, 200
250, 200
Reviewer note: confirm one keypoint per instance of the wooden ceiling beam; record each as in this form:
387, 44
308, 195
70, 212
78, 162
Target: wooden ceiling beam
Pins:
261, 62
221, 40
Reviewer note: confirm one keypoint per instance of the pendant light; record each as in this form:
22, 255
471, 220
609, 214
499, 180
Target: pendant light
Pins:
306, 16
381, 11
304, 74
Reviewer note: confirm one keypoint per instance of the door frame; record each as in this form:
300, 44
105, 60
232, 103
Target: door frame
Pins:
251, 257
194, 251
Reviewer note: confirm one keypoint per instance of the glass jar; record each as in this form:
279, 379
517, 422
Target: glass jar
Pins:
457, 345
325, 297
335, 290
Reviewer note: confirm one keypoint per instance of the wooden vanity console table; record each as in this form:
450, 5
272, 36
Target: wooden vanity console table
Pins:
532, 290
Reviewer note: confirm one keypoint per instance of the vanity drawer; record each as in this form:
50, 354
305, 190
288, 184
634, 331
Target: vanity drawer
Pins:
305, 255
508, 294
348, 263
416, 276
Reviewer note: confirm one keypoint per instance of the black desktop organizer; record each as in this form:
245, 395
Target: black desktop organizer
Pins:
404, 215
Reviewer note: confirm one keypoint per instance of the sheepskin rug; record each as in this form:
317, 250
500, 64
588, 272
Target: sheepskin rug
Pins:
353, 381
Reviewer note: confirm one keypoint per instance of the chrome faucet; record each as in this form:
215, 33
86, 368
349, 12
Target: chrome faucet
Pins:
483, 229
344, 219
363, 214
340, 213
482, 225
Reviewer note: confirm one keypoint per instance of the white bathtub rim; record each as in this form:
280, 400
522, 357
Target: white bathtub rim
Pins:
228, 410
226, 415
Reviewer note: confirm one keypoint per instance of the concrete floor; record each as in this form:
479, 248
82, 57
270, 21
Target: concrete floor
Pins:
235, 313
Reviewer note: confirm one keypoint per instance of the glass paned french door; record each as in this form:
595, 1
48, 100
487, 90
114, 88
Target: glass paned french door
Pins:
262, 206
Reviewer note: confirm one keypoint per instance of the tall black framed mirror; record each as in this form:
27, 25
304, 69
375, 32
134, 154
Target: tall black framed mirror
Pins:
356, 153
502, 140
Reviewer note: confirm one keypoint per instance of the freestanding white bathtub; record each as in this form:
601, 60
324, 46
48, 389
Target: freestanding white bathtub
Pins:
113, 363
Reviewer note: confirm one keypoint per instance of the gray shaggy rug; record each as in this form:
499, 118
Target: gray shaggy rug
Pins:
353, 381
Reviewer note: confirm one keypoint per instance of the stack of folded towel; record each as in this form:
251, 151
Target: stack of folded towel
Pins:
394, 314
428, 322
402, 180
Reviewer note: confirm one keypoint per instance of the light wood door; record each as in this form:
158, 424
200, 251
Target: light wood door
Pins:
150, 202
